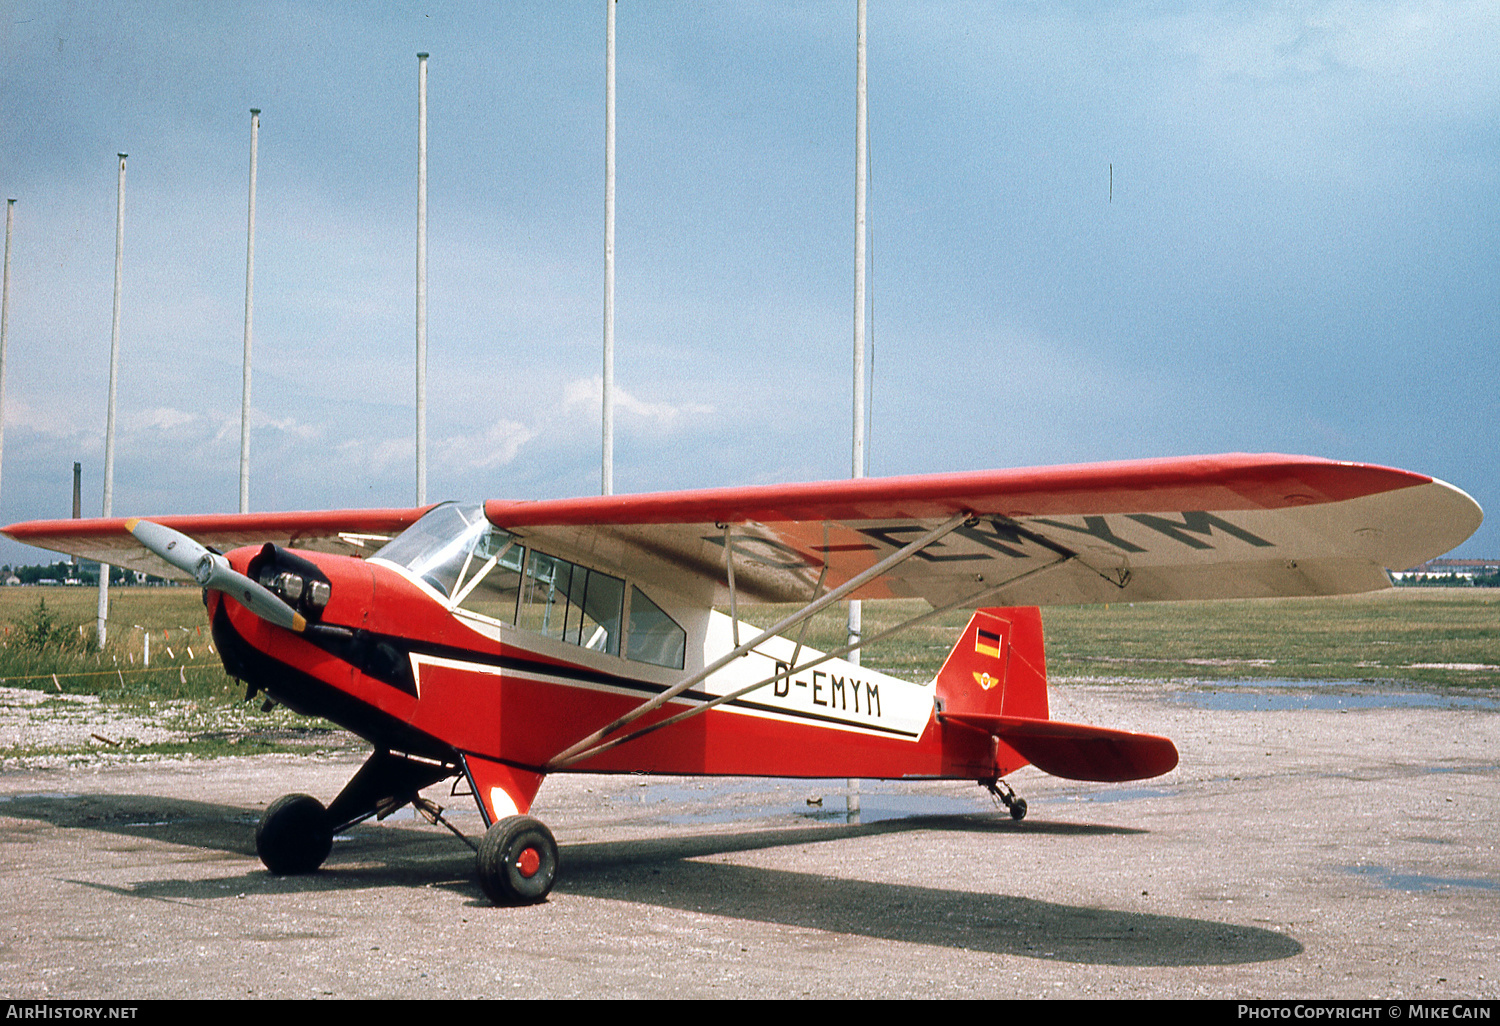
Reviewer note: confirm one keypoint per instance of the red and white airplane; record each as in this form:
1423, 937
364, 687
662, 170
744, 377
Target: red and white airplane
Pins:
502, 642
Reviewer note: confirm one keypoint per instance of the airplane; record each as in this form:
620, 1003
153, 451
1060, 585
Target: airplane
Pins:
496, 643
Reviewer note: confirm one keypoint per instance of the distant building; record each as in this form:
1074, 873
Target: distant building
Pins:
1466, 570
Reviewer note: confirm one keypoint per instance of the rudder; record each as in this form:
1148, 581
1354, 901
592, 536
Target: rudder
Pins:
998, 667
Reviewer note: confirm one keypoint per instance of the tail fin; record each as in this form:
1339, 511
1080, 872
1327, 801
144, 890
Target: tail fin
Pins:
998, 667
995, 681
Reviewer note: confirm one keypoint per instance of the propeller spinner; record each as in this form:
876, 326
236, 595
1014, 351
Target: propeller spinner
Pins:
212, 570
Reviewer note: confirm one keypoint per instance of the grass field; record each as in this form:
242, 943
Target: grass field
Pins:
1407, 637
1429, 636
48, 632
1432, 636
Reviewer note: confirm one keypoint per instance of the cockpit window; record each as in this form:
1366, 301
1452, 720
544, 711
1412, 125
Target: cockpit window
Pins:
438, 547
492, 581
486, 570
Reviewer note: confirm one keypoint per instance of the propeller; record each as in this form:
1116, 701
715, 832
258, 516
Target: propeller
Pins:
212, 570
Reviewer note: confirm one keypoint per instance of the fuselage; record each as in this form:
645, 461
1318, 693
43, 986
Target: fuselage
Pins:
516, 663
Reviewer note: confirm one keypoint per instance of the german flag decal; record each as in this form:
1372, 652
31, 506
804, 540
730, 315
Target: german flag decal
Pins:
987, 642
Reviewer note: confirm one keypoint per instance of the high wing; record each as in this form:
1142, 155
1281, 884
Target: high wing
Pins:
106, 539
1228, 526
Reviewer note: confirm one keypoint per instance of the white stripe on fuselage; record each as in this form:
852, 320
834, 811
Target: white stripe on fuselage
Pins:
835, 694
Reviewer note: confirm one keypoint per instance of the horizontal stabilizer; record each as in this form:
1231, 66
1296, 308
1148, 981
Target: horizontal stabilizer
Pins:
1078, 752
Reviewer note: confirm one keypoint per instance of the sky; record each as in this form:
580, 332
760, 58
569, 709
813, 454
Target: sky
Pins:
1098, 232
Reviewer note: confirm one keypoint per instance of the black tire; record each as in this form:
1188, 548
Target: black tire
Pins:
517, 861
294, 836
1018, 809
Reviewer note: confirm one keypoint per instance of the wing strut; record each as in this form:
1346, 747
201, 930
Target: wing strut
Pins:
734, 604
563, 761
566, 757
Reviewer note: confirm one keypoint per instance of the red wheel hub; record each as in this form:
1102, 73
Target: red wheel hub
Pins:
529, 862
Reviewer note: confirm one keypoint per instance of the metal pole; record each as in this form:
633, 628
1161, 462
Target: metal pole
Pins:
109, 423
421, 279
10, 210
607, 466
249, 312
860, 163
77, 496
861, 149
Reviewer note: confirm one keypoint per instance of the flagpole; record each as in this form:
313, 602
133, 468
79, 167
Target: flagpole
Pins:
101, 630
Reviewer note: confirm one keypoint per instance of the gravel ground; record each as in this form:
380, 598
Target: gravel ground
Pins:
1314, 842
46, 730
81, 726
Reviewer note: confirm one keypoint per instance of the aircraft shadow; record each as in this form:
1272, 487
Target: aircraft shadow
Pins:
666, 872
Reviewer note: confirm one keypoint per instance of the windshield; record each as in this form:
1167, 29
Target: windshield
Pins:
485, 570
439, 547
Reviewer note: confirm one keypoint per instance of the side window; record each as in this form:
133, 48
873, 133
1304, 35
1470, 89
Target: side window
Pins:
571, 603
544, 595
596, 623
655, 637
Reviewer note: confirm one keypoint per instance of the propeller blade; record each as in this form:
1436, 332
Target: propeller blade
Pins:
173, 546
212, 570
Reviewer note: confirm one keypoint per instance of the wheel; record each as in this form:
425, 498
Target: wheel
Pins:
517, 861
294, 836
1018, 809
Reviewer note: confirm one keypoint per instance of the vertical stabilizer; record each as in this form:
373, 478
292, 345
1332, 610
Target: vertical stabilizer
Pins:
998, 667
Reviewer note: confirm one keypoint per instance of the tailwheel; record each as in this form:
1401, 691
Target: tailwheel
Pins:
517, 861
294, 836
1005, 795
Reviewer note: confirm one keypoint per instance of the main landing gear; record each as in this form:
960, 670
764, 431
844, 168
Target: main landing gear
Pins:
517, 861
517, 858
1003, 793
296, 833
294, 836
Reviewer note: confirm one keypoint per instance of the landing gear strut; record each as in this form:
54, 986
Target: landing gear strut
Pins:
296, 833
1003, 794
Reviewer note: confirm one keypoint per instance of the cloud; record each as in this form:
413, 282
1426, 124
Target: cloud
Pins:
286, 425
589, 392
48, 420
378, 456
163, 418
494, 447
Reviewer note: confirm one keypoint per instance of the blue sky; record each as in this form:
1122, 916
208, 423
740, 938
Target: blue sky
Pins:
1299, 253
